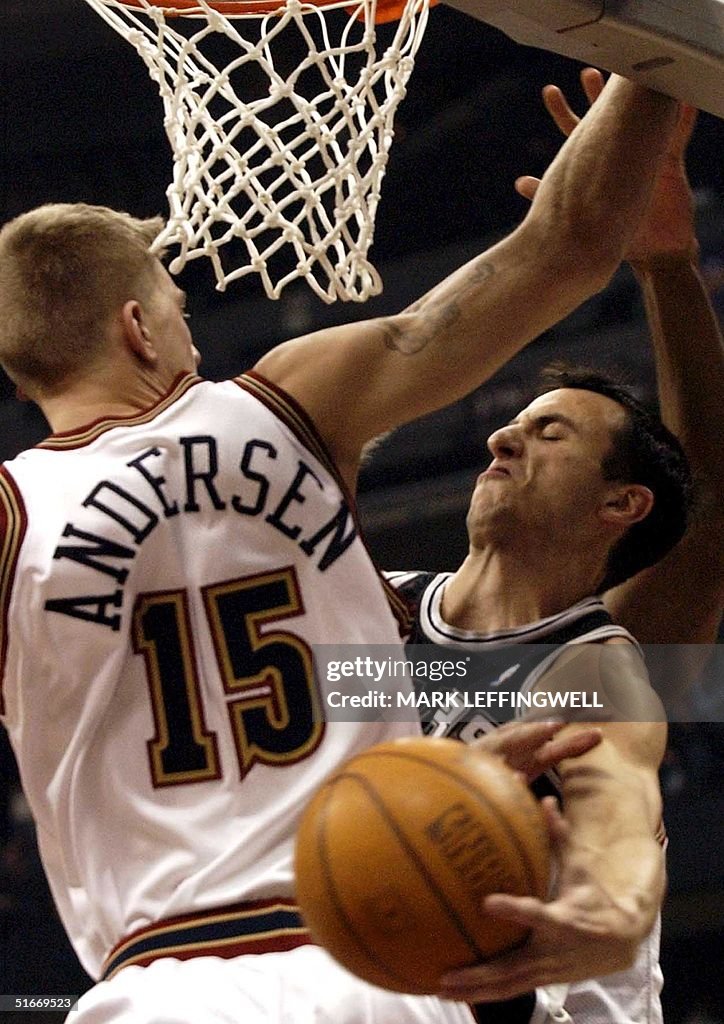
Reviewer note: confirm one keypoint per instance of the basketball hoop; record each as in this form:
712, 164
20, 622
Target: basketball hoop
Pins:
280, 117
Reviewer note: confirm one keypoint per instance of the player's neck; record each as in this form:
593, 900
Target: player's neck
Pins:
490, 591
107, 396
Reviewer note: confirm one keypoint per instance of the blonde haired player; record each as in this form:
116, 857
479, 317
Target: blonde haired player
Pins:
175, 549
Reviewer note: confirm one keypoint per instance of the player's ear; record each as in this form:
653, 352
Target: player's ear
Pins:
136, 334
627, 504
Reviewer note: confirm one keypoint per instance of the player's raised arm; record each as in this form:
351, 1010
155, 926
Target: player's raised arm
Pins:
681, 599
391, 370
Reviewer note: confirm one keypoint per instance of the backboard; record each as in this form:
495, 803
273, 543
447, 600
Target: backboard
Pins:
674, 46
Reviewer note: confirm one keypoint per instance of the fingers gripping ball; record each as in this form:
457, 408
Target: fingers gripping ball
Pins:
397, 851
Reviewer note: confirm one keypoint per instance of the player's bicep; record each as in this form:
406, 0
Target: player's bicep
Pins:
624, 766
617, 781
601, 682
348, 379
631, 718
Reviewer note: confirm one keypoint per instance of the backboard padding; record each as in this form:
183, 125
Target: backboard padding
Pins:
674, 46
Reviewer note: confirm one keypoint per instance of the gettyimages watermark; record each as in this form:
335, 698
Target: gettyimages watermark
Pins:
591, 682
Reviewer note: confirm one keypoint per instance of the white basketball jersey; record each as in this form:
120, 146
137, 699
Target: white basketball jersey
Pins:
165, 578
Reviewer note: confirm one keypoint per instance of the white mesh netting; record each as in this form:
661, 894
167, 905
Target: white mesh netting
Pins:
280, 126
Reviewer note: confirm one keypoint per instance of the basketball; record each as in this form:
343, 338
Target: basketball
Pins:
397, 850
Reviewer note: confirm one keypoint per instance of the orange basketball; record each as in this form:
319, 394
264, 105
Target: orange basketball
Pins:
397, 850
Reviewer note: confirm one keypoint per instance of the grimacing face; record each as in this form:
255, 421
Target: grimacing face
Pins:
546, 472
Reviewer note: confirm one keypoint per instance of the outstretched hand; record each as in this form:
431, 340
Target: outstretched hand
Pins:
584, 933
667, 228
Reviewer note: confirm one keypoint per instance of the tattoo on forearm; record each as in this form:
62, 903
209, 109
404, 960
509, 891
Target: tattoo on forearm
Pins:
437, 321
441, 316
480, 271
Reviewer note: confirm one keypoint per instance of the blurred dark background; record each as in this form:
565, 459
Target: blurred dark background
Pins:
80, 120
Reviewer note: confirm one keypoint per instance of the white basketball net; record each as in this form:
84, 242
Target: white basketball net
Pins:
280, 134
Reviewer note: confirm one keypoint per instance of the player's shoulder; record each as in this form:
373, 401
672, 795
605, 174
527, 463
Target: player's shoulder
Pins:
412, 583
612, 674
617, 648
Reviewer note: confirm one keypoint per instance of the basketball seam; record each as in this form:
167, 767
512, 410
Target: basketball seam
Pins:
419, 863
332, 889
480, 797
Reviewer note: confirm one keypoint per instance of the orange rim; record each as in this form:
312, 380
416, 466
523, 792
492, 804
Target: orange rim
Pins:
230, 7
387, 10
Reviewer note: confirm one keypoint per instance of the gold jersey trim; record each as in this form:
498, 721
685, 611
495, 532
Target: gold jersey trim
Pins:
71, 439
13, 523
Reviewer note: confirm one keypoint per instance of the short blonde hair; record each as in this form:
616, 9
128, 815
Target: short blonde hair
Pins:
65, 271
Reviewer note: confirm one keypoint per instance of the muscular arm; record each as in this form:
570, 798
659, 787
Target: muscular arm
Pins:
680, 600
611, 796
359, 380
611, 873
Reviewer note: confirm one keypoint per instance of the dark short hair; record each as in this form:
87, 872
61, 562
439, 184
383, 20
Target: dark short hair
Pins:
643, 451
